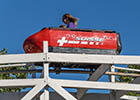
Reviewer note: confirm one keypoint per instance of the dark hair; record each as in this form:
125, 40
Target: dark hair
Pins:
70, 18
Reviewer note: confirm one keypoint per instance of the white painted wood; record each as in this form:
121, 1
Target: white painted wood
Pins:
45, 46
45, 95
78, 58
22, 71
90, 58
75, 58
112, 77
57, 84
130, 97
13, 65
94, 77
46, 65
21, 58
42, 96
46, 71
61, 91
19, 82
32, 93
96, 85
129, 69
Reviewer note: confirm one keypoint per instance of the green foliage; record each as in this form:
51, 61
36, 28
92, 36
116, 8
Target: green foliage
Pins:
4, 51
11, 75
124, 78
129, 79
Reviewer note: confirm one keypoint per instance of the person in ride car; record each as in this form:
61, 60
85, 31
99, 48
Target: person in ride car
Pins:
70, 21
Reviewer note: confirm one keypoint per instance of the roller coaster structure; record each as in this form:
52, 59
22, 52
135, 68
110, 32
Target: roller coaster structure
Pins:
107, 63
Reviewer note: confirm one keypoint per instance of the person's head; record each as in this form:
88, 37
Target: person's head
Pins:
67, 18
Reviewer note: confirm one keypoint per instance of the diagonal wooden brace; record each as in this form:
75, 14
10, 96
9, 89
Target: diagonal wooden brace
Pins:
94, 77
31, 94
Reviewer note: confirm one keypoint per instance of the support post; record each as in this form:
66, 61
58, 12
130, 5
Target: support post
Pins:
112, 79
46, 70
45, 95
46, 64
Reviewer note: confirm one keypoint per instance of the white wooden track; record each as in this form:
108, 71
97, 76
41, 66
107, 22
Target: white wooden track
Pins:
41, 84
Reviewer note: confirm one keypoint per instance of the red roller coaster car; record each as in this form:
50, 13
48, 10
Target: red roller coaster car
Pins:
62, 40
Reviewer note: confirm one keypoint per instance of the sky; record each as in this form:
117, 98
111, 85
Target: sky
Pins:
21, 18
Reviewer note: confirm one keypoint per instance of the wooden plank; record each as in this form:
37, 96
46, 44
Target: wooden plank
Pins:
19, 82
93, 58
122, 74
22, 58
112, 79
45, 64
45, 95
78, 58
128, 69
13, 65
96, 85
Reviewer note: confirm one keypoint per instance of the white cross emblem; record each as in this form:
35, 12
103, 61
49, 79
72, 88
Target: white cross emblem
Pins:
62, 41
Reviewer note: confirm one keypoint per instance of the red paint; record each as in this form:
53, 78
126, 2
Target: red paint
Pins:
34, 43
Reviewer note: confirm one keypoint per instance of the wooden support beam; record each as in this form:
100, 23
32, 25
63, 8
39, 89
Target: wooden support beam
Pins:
32, 93
22, 58
45, 71
128, 69
96, 85
94, 77
61, 91
123, 74
14, 65
19, 82
94, 58
112, 79
45, 95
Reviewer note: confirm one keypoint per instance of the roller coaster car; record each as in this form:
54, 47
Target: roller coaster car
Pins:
81, 41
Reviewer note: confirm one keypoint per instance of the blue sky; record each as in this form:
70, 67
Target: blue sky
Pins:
21, 18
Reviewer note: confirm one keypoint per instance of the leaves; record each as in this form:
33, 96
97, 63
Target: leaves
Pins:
129, 79
12, 76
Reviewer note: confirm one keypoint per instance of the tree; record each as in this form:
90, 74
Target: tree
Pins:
11, 75
129, 79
